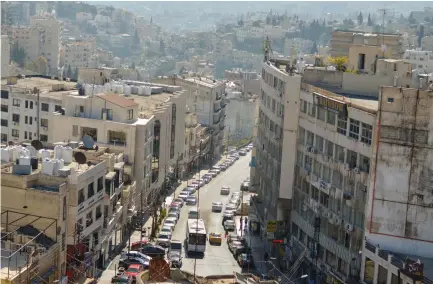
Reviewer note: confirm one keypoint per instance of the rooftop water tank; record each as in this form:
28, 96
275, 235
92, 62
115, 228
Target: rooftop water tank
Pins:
34, 162
134, 90
107, 88
58, 152
127, 90
67, 155
47, 167
5, 155
56, 167
44, 154
25, 161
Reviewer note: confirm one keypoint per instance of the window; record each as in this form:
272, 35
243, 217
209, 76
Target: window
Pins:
16, 102
342, 125
324, 199
329, 148
319, 143
130, 114
299, 158
310, 138
364, 163
273, 105
43, 138
65, 207
100, 184
81, 196
45, 107
339, 153
44, 122
308, 163
15, 133
321, 113
89, 219
98, 213
25, 135
116, 137
5, 94
26, 105
4, 122
317, 168
173, 130
30, 135
106, 114
366, 133
352, 158
311, 110
315, 193
326, 173
90, 190
16, 118
57, 108
354, 129
301, 136
31, 104
331, 117
4, 137
304, 106
4, 108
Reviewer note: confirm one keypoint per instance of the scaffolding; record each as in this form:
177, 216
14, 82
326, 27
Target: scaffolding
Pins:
28, 255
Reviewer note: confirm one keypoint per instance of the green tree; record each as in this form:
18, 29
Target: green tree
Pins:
420, 35
136, 38
69, 72
161, 46
18, 54
76, 73
360, 18
369, 22
132, 66
314, 49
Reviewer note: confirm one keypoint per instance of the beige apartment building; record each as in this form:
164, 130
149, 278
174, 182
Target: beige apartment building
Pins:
341, 42
78, 54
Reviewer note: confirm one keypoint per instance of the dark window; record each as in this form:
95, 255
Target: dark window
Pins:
90, 190
16, 102
31, 104
354, 129
4, 137
43, 138
98, 212
26, 119
5, 94
81, 196
16, 118
4, 108
44, 122
130, 114
4, 122
108, 113
366, 133
26, 105
45, 107
65, 207
342, 125
15, 133
156, 144
100, 183
361, 61
57, 108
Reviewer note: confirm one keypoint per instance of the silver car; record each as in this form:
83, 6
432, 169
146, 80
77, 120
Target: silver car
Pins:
163, 239
217, 206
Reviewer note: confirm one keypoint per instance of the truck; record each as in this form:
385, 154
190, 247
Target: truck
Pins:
175, 245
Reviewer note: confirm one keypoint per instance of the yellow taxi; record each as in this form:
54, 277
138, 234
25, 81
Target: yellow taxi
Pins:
215, 238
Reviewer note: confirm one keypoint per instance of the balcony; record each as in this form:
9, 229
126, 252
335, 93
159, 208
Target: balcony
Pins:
95, 225
90, 201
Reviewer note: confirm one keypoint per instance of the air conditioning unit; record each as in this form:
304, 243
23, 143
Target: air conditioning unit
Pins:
312, 150
356, 170
346, 167
323, 184
349, 227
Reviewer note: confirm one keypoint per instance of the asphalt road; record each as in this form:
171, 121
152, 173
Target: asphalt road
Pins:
217, 259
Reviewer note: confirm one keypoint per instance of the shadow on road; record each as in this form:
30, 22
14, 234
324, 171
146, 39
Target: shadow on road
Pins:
195, 255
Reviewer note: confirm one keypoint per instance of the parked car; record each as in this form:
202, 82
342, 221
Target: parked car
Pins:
224, 166
201, 182
170, 222
179, 200
225, 190
227, 216
175, 210
134, 253
217, 169
245, 259
245, 186
175, 259
173, 215
217, 206
163, 239
207, 178
122, 279
234, 245
137, 245
230, 225
242, 153
191, 200
153, 250
133, 270
127, 261
213, 173
167, 229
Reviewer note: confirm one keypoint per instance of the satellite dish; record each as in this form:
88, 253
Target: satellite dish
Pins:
37, 145
32, 150
80, 158
88, 141
383, 48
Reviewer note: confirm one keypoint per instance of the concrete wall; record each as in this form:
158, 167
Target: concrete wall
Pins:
400, 213
240, 119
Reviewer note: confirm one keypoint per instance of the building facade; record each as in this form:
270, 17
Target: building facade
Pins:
6, 56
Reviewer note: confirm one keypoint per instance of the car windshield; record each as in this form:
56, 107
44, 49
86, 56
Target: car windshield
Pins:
133, 269
170, 222
216, 235
163, 236
166, 229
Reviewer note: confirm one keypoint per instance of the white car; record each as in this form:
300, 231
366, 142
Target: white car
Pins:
236, 194
213, 173
217, 206
235, 201
224, 166
231, 207
195, 184
201, 182
228, 214
229, 225
217, 169
167, 229
207, 178
191, 200
183, 195
242, 153
174, 215
163, 239
225, 190
170, 222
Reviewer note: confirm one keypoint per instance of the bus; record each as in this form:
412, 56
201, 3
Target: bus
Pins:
195, 236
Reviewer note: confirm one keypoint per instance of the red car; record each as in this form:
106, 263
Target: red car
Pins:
133, 270
137, 245
176, 204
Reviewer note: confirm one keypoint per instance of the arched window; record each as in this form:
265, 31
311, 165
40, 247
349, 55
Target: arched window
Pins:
173, 130
156, 148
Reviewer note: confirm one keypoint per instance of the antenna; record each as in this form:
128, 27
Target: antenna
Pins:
80, 158
37, 145
88, 142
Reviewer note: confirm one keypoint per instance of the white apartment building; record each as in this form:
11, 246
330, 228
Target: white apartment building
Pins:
111, 120
22, 117
420, 59
79, 54
205, 97
6, 55
49, 41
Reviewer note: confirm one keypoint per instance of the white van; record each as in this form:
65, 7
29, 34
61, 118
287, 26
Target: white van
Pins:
194, 213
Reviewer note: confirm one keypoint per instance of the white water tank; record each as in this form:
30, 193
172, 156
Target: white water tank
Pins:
5, 155
127, 90
134, 90
87, 89
119, 89
47, 167
58, 152
13, 153
56, 167
147, 91
107, 88
141, 90
67, 155
44, 154
61, 164
25, 161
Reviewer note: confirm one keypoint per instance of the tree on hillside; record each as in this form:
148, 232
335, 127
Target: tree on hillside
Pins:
360, 19
136, 38
314, 49
339, 62
161, 46
420, 35
69, 72
75, 76
369, 22
18, 54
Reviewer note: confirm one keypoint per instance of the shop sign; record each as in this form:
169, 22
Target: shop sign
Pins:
271, 227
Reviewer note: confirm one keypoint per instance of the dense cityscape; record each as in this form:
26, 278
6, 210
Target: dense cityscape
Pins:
217, 142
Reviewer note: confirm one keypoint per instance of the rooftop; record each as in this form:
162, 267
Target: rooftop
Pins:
203, 81
118, 100
148, 104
